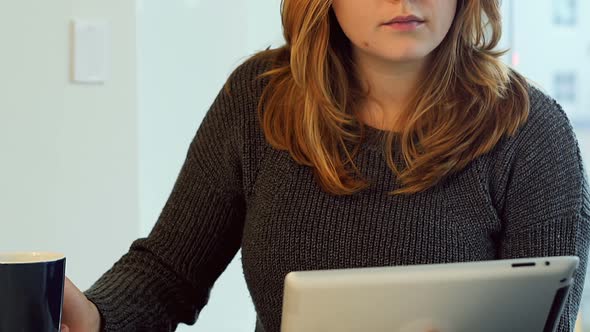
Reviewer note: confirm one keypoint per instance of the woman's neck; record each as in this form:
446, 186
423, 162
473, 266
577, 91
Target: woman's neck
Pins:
390, 86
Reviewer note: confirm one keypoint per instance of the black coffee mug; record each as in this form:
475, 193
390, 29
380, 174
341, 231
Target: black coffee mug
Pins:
31, 291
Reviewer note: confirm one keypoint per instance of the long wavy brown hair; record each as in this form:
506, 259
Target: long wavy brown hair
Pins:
463, 106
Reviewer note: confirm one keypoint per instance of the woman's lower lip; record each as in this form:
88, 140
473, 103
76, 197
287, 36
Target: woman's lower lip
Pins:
405, 26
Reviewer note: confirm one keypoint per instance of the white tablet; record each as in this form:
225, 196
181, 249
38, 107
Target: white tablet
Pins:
486, 296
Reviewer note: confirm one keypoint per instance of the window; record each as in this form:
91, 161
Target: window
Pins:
564, 87
565, 12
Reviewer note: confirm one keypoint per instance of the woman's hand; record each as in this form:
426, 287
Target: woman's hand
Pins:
79, 314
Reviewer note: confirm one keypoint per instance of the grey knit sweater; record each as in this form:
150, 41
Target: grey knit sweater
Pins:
526, 198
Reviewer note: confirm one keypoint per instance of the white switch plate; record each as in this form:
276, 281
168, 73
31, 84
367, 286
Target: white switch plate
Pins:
90, 51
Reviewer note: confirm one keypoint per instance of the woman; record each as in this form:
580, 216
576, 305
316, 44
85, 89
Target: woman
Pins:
383, 133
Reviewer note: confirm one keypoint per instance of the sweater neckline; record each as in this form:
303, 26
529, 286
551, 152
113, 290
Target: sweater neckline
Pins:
374, 138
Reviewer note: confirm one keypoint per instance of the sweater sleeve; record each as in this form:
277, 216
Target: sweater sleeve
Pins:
165, 279
546, 204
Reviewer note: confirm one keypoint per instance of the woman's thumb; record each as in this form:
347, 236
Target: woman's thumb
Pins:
64, 328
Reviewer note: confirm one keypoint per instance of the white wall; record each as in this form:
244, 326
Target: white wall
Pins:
68, 179
186, 50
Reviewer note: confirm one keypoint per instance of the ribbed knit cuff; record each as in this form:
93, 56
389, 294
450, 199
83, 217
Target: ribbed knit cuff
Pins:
133, 300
